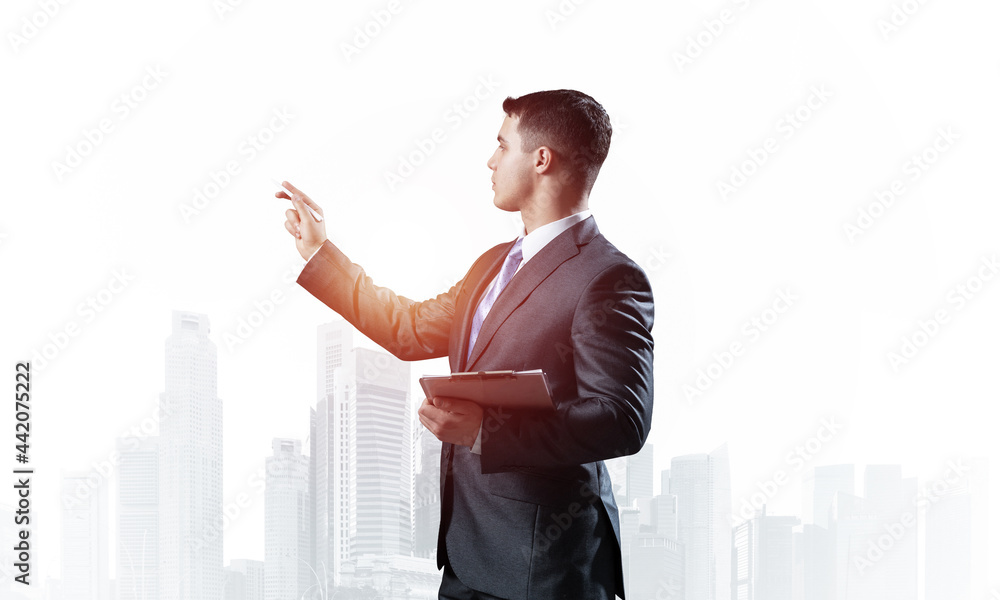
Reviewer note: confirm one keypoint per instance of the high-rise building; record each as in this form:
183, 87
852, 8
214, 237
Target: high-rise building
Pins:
330, 458
244, 580
656, 568
287, 530
190, 465
363, 461
704, 507
138, 518
764, 558
632, 476
664, 515
639, 473
955, 537
426, 492
819, 487
383, 468
85, 527
875, 538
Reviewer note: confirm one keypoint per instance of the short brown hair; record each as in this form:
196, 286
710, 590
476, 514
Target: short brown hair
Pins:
571, 123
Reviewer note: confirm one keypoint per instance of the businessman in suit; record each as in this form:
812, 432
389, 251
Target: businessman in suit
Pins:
527, 509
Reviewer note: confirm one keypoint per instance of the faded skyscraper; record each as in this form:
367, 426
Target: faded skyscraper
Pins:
329, 447
287, 529
383, 468
244, 580
138, 518
426, 492
362, 452
190, 465
764, 558
704, 507
875, 538
956, 537
819, 487
85, 548
632, 477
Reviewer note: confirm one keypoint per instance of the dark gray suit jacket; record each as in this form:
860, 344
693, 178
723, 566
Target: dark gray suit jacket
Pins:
534, 516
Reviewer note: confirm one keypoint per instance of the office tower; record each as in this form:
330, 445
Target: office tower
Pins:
819, 487
639, 474
664, 515
764, 558
84, 537
632, 476
190, 465
363, 457
330, 460
383, 469
955, 537
628, 523
618, 473
656, 568
744, 573
287, 530
875, 538
138, 518
704, 505
426, 492
244, 580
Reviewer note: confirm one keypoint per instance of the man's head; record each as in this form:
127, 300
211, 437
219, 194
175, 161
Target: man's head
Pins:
552, 142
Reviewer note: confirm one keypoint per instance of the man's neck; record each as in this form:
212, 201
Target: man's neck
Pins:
534, 217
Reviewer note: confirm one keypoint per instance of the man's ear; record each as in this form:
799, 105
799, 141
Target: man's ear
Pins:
544, 160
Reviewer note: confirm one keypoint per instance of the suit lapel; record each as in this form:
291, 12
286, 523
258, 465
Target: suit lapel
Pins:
491, 268
564, 247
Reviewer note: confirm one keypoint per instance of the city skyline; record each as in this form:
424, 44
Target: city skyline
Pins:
656, 527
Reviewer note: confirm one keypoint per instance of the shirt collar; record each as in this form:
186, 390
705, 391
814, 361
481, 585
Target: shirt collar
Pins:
533, 242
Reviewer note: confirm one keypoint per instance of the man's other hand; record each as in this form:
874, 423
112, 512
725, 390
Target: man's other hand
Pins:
309, 233
452, 420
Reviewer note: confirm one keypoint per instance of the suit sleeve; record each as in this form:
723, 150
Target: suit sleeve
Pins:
408, 329
612, 354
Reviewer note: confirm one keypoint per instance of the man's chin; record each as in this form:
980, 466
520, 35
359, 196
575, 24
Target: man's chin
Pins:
502, 205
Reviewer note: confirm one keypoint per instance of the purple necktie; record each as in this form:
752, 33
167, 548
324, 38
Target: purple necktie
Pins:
506, 273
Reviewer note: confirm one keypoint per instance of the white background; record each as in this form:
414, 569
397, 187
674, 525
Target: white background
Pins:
679, 131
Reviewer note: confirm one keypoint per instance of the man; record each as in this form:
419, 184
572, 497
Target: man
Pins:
527, 509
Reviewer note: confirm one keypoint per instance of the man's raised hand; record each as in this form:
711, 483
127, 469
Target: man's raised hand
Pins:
309, 233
